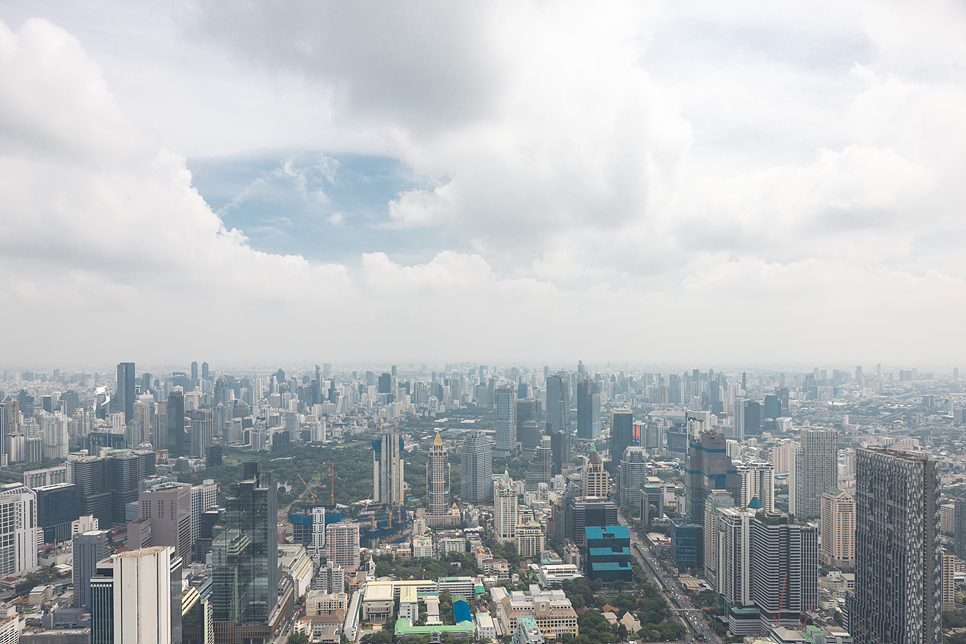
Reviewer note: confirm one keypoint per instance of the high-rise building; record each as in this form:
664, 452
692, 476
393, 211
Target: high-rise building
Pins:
506, 420
245, 553
437, 484
838, 529
898, 567
177, 438
558, 404
528, 410
608, 553
168, 506
194, 371
342, 543
19, 532
708, 468
476, 469
580, 512
730, 532
505, 506
202, 431
588, 410
948, 581
784, 568
717, 499
959, 529
814, 470
136, 597
387, 468
56, 511
758, 480
88, 548
126, 391
594, 479
621, 431
633, 476
541, 467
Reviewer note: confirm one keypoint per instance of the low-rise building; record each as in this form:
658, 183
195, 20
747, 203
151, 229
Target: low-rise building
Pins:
551, 609
553, 575
527, 631
321, 603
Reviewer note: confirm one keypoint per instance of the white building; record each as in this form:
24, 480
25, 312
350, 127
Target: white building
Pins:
142, 594
19, 533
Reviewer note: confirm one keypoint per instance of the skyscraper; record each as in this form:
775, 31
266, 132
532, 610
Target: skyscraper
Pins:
588, 410
838, 529
757, 480
708, 468
506, 420
387, 467
177, 438
633, 476
342, 541
437, 484
541, 467
194, 371
898, 566
959, 528
476, 469
125, 393
558, 404
19, 532
505, 509
527, 410
594, 480
621, 431
814, 470
784, 568
245, 554
169, 508
88, 549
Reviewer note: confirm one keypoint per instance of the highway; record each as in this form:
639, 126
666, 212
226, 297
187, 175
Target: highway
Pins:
670, 586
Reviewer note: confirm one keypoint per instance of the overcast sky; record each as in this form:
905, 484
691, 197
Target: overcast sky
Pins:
690, 183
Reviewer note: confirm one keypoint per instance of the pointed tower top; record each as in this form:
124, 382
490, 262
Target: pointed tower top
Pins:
437, 440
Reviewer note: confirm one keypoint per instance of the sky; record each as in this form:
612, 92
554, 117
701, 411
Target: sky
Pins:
727, 183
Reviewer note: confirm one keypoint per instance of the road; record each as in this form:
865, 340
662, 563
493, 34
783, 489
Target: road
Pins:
669, 584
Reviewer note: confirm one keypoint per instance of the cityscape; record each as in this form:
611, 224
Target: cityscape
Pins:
502, 322
527, 504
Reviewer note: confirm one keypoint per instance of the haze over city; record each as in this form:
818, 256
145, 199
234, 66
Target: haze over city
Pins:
736, 183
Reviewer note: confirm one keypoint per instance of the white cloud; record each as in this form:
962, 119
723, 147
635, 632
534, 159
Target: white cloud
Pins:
614, 213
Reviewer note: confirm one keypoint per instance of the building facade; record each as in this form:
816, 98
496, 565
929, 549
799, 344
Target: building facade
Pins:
476, 469
814, 470
838, 529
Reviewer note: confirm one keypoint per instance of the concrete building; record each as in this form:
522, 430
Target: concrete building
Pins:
527, 631
437, 484
530, 539
388, 482
476, 469
594, 479
343, 545
784, 568
505, 505
608, 554
838, 529
898, 564
717, 499
88, 549
708, 468
168, 506
758, 481
19, 532
814, 470
633, 475
506, 420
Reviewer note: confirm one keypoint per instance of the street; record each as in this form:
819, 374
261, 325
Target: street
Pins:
669, 584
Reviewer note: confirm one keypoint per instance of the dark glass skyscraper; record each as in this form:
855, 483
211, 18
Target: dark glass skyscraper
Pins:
177, 439
126, 390
558, 404
621, 432
245, 554
588, 410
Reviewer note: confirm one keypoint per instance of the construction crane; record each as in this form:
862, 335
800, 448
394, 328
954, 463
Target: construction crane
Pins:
314, 501
781, 602
805, 616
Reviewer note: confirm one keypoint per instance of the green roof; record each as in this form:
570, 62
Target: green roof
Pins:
405, 627
834, 491
755, 503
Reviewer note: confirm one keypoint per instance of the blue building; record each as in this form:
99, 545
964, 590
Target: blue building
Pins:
608, 554
687, 544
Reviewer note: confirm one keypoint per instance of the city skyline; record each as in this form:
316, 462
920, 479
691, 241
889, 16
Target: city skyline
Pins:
721, 184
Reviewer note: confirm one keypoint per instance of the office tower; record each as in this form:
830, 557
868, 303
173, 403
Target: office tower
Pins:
245, 553
560, 451
633, 476
476, 469
594, 479
752, 417
621, 431
527, 411
838, 529
652, 503
56, 511
588, 410
506, 420
136, 597
143, 419
19, 533
959, 529
772, 407
385, 383
757, 481
177, 445
531, 436
387, 467
717, 499
89, 548
93, 493
558, 404
708, 468
202, 431
580, 512
342, 540
687, 544
738, 420
784, 568
814, 470
205, 373
194, 372
204, 497
730, 535
652, 437
541, 467
608, 553
674, 389
897, 552
126, 391
168, 506
505, 508
122, 472
437, 484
